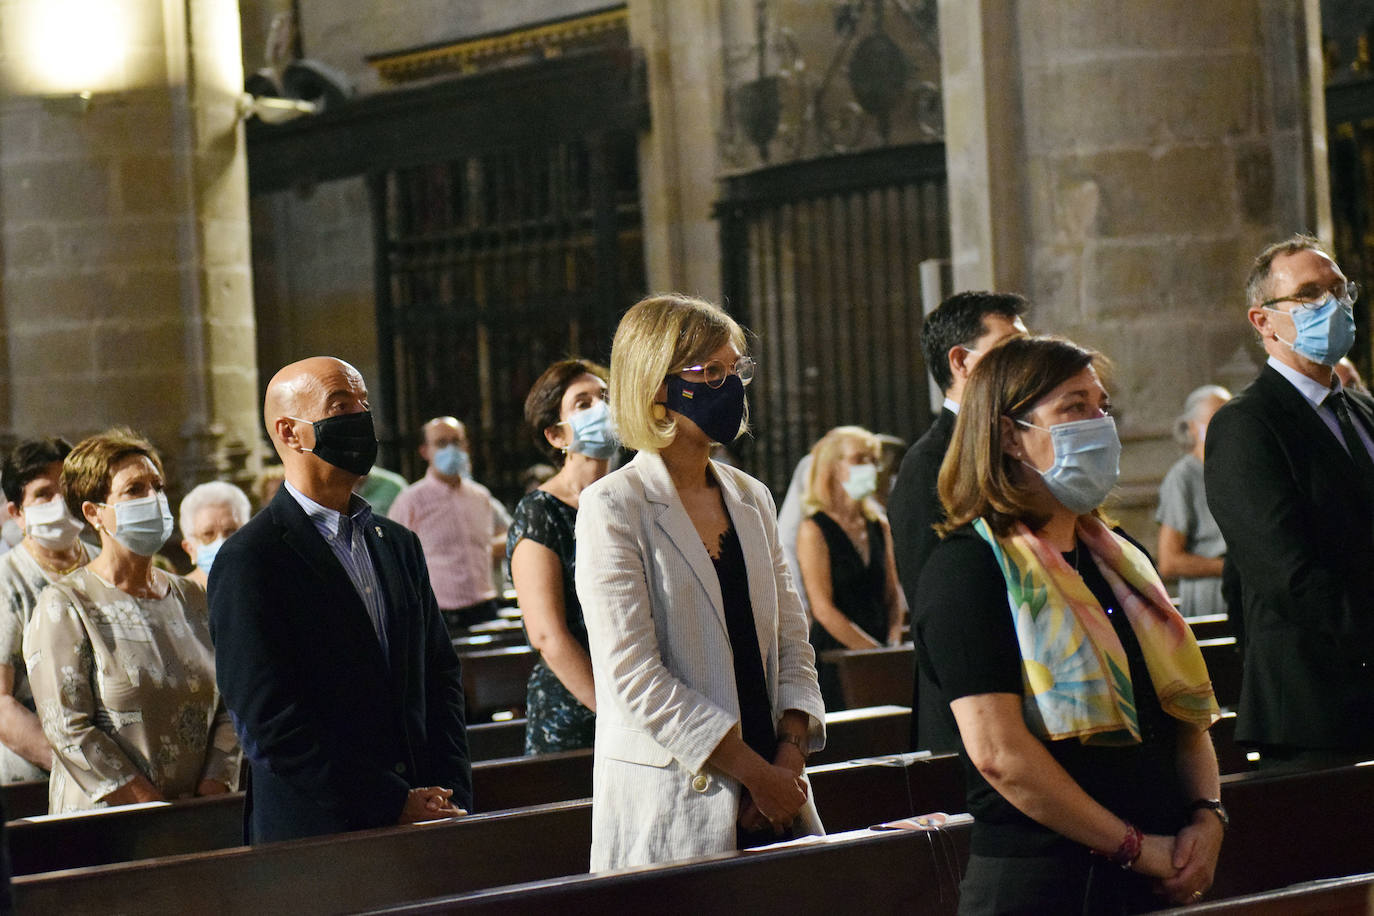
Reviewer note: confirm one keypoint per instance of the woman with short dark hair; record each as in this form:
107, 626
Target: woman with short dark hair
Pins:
566, 409
119, 652
1080, 694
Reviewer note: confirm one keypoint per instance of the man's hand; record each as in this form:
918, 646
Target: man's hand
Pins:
211, 787
428, 803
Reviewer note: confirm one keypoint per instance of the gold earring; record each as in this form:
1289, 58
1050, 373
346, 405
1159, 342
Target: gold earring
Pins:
660, 412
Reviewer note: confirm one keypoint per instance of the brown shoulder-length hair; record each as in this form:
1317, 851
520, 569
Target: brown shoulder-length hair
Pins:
977, 478
544, 403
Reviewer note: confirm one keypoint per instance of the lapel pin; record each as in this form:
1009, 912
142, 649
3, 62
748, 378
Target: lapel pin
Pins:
378, 529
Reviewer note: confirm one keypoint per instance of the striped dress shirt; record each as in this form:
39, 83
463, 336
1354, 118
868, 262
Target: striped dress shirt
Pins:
344, 535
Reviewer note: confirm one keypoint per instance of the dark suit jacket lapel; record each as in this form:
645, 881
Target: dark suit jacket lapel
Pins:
1301, 413
299, 533
1318, 436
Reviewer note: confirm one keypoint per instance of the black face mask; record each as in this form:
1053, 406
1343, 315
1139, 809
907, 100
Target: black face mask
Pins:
347, 441
718, 412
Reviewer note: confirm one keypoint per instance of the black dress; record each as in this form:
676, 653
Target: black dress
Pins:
966, 638
755, 711
858, 590
555, 720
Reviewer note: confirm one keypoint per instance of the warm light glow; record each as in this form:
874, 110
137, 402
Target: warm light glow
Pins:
68, 46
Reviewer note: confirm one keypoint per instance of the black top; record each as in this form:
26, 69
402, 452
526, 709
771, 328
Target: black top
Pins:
858, 590
967, 640
755, 711
547, 520
912, 511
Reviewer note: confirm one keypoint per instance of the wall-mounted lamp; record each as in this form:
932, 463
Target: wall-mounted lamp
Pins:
272, 110
67, 48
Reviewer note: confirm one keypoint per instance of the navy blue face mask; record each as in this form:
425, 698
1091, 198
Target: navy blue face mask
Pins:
718, 412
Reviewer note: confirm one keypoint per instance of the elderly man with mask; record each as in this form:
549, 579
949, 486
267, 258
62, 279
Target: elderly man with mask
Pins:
461, 532
1290, 479
332, 656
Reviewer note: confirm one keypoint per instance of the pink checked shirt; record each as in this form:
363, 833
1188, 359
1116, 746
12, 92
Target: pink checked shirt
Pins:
456, 526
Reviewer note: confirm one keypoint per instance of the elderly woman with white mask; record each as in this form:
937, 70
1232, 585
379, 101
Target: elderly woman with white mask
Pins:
119, 653
1190, 544
50, 549
209, 514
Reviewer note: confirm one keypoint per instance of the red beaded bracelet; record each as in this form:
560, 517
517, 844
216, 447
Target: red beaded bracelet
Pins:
1130, 847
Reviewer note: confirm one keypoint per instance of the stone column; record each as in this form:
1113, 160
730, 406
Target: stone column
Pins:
678, 162
123, 197
1122, 163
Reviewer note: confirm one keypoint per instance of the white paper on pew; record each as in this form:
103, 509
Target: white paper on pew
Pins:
945, 820
863, 712
813, 840
93, 812
887, 760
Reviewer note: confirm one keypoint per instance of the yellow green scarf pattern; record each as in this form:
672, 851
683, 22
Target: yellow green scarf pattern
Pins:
1077, 680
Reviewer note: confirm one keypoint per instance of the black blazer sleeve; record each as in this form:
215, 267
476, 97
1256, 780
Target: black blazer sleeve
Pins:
1264, 507
914, 507
445, 711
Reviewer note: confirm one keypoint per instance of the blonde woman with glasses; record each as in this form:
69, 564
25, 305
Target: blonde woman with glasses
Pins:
706, 694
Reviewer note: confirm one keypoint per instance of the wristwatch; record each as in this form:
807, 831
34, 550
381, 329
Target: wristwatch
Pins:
1215, 806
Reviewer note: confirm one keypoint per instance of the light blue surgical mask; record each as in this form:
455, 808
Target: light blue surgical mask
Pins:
1087, 462
143, 525
593, 433
453, 461
206, 553
1325, 333
862, 481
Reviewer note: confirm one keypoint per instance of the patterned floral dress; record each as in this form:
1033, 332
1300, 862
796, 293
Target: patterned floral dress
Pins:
555, 719
126, 686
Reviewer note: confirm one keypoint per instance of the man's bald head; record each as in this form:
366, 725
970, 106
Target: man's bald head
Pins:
310, 390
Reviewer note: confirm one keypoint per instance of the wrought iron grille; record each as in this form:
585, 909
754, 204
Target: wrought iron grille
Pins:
821, 261
1350, 141
492, 267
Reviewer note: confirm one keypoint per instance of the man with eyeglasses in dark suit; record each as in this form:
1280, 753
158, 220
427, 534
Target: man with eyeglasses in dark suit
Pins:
1290, 479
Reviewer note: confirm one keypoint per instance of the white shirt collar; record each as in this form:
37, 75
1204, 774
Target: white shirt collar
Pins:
952, 406
1313, 392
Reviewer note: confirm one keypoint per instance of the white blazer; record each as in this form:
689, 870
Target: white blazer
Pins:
665, 678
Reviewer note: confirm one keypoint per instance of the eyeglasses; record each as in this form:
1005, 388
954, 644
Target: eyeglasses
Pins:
1346, 293
716, 371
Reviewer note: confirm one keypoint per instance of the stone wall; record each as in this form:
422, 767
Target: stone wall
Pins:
126, 280
312, 271
1122, 164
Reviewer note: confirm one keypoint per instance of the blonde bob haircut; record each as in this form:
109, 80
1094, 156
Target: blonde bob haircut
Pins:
822, 492
658, 336
978, 479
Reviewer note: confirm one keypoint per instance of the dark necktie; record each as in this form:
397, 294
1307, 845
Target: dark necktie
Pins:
1353, 443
